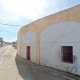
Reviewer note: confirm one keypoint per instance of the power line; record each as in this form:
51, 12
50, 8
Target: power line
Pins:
9, 24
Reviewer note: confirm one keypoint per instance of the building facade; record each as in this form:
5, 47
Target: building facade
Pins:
53, 41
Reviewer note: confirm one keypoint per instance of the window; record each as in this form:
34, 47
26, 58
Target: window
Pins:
67, 54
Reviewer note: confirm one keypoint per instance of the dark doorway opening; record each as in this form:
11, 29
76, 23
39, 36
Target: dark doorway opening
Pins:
28, 52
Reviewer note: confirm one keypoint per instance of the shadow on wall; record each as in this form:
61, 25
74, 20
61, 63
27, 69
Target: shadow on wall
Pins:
72, 69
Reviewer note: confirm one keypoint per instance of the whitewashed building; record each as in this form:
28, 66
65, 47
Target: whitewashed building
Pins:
53, 41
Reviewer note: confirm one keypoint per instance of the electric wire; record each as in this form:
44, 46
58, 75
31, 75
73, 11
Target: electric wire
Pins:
9, 24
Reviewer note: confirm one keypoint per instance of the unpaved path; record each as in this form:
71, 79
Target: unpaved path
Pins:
8, 69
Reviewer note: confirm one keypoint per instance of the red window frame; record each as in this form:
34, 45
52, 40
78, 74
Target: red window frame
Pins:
67, 54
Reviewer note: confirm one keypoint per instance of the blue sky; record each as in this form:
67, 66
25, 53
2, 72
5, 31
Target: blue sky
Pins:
23, 12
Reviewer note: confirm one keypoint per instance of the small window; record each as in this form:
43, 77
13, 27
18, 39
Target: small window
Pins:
67, 54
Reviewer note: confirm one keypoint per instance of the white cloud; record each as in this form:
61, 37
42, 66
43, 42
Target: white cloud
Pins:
28, 8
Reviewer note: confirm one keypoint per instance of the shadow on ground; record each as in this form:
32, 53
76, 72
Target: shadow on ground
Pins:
29, 72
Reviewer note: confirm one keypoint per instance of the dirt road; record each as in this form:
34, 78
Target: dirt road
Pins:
8, 69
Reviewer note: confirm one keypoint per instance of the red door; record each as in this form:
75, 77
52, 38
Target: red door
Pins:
28, 52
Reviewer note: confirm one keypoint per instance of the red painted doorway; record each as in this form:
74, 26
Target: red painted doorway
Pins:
28, 52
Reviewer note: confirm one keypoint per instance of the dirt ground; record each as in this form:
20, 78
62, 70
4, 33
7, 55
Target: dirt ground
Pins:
8, 68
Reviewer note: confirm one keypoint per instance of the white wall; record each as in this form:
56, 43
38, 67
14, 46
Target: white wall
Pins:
51, 40
29, 39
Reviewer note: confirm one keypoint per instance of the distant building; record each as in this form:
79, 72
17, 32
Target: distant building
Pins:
53, 41
14, 44
1, 42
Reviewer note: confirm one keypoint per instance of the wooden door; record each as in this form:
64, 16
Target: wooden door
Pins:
28, 52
